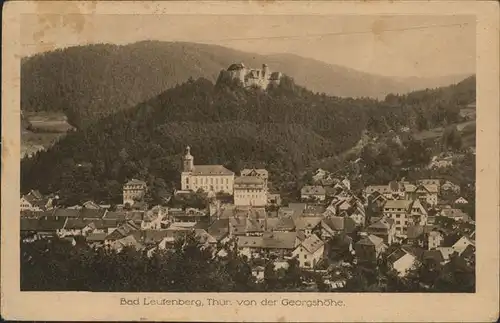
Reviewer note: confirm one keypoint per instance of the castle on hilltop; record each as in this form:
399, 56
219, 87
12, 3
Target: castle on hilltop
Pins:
254, 77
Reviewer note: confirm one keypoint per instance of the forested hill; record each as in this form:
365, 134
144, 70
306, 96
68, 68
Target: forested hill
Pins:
88, 82
284, 129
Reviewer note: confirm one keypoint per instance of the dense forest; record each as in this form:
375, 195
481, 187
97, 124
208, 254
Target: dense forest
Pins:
284, 129
92, 81
189, 267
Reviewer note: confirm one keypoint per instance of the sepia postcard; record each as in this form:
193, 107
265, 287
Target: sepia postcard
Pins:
250, 161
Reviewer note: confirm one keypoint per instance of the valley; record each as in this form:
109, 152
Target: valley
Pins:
41, 130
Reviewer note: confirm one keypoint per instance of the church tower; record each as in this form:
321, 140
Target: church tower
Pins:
188, 161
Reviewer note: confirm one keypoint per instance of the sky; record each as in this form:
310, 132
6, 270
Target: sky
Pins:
400, 46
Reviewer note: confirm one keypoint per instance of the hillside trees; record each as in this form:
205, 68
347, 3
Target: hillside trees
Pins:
451, 139
284, 129
90, 82
120, 77
188, 267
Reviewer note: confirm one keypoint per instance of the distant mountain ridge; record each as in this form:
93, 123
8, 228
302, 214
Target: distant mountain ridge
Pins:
92, 81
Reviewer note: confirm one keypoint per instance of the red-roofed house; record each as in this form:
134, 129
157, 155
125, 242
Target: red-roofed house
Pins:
91, 205
261, 173
463, 243
451, 187
92, 213
65, 213
276, 243
332, 226
369, 248
427, 193
461, 200
133, 191
383, 228
435, 239
308, 224
309, 252
455, 214
405, 213
33, 202
402, 260
313, 192
96, 239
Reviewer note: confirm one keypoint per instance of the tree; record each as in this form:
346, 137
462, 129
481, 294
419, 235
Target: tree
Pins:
287, 129
293, 274
358, 283
270, 277
423, 276
308, 178
451, 139
444, 222
416, 153
241, 274
320, 283
457, 276
189, 266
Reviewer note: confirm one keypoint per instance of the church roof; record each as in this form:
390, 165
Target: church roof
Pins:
211, 170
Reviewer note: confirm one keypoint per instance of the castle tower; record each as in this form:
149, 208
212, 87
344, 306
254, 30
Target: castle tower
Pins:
266, 75
188, 161
265, 71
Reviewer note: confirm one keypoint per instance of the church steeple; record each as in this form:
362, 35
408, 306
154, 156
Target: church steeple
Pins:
188, 161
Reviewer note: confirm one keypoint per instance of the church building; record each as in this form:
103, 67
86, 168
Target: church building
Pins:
210, 178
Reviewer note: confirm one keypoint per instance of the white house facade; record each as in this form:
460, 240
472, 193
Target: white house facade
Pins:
309, 252
250, 191
133, 191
